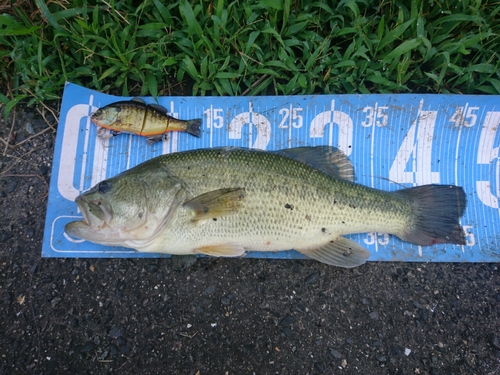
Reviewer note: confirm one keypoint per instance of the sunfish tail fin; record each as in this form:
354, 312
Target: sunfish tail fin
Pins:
438, 209
193, 127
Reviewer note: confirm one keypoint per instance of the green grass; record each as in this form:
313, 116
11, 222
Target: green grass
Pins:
266, 47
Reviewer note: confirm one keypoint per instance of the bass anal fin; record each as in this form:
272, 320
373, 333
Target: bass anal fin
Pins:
341, 252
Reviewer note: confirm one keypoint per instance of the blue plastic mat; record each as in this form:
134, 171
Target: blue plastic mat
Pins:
392, 140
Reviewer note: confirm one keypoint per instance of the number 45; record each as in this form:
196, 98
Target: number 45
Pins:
468, 120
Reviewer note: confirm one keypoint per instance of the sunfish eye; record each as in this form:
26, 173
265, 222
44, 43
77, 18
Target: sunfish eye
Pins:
96, 113
103, 187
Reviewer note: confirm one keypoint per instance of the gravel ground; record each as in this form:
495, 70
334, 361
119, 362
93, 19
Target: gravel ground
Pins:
223, 316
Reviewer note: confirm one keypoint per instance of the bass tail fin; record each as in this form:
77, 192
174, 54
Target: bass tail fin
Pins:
193, 127
438, 209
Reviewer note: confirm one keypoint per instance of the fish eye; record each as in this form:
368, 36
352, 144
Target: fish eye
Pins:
103, 187
97, 113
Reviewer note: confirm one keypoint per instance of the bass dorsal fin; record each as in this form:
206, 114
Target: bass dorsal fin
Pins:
327, 159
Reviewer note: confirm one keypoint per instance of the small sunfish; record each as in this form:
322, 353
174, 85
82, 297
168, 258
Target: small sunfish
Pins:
137, 117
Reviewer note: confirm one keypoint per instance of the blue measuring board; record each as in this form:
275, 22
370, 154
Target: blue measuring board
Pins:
393, 141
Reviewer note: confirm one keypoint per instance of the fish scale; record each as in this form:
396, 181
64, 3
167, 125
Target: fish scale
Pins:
226, 201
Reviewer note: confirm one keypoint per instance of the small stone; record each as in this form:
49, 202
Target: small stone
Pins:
312, 278
264, 305
88, 347
424, 314
7, 298
113, 349
210, 290
374, 315
46, 279
43, 169
396, 350
335, 353
319, 366
287, 320
34, 268
366, 301
225, 301
381, 358
151, 268
11, 185
495, 340
55, 301
103, 355
29, 128
125, 349
6, 236
118, 330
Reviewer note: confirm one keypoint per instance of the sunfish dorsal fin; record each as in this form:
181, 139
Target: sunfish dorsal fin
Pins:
138, 100
327, 159
158, 108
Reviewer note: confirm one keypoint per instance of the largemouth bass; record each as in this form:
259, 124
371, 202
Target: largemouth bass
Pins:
226, 201
137, 117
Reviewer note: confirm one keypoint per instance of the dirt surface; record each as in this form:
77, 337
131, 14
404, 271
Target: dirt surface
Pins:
223, 316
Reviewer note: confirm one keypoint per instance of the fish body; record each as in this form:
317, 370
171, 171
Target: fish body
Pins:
226, 201
137, 117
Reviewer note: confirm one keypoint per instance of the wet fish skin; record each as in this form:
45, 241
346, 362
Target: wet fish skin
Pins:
226, 201
137, 117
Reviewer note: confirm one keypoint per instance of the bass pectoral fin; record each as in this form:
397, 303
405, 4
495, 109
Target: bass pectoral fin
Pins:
224, 250
216, 203
341, 253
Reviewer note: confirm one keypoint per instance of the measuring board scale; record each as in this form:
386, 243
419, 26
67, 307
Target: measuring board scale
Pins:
393, 141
